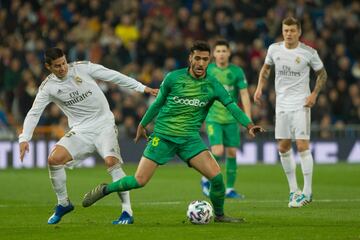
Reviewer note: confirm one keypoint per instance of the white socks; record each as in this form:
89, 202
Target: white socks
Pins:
117, 173
289, 167
204, 179
307, 164
58, 180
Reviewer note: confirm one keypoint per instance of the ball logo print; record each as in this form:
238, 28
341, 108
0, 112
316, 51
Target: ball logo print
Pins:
199, 212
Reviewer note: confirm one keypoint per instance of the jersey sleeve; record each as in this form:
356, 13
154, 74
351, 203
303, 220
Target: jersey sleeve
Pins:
238, 114
315, 62
221, 94
242, 81
100, 72
155, 107
269, 56
42, 99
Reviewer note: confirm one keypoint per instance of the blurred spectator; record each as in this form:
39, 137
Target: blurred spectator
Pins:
12, 77
147, 39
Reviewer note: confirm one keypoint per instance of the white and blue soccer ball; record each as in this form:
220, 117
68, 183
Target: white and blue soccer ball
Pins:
199, 212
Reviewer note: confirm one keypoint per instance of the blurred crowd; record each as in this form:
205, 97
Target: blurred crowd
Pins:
145, 39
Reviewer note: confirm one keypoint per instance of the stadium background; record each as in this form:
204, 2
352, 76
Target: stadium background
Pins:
146, 39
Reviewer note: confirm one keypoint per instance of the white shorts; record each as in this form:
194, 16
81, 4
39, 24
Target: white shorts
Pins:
293, 124
81, 143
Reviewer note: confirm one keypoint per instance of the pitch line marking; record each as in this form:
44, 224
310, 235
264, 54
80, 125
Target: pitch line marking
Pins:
180, 202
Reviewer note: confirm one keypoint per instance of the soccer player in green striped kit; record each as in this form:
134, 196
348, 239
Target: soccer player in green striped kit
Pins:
181, 106
222, 128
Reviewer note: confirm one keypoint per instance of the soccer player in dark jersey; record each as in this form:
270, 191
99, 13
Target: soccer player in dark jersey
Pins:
222, 128
181, 107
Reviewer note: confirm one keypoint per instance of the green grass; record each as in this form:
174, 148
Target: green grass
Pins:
27, 200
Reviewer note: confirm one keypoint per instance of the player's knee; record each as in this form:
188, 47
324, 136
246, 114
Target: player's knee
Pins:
55, 159
231, 152
284, 148
111, 161
217, 151
302, 146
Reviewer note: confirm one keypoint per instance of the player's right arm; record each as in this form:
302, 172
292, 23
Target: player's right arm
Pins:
264, 74
263, 77
31, 120
154, 109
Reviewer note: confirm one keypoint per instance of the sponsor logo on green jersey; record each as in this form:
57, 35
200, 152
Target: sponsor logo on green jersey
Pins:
191, 102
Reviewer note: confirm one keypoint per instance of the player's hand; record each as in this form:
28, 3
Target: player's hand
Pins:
24, 148
254, 129
152, 91
310, 100
141, 131
257, 96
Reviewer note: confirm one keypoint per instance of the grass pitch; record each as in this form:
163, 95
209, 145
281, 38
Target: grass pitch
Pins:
27, 200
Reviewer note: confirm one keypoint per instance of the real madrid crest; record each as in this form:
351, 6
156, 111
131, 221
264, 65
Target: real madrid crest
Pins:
297, 60
78, 80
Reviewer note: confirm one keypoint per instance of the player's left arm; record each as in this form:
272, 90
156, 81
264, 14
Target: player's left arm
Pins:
245, 99
100, 72
321, 78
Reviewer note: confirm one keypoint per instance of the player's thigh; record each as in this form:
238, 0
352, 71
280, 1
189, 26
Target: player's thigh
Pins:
205, 164
301, 123
283, 125
190, 148
231, 134
159, 149
215, 133
107, 145
79, 144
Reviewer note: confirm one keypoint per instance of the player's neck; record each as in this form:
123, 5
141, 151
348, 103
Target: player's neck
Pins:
222, 64
292, 45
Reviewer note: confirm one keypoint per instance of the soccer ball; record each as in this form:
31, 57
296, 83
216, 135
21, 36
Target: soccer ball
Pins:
199, 212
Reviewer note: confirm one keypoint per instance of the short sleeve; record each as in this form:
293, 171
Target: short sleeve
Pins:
269, 56
315, 62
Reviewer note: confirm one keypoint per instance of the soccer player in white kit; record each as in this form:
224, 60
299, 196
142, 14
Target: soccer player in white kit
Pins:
73, 88
292, 60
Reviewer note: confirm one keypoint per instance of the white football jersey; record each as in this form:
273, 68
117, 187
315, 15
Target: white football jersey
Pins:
292, 73
78, 96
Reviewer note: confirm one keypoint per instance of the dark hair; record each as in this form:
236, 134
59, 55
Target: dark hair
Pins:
291, 21
222, 42
52, 54
200, 46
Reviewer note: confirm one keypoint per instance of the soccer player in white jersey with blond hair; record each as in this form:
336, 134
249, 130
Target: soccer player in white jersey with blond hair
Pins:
292, 60
73, 88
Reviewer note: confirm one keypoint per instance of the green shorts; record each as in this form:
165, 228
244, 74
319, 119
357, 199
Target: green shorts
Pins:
223, 134
162, 148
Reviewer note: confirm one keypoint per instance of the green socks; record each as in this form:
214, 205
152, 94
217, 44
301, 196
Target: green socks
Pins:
217, 194
124, 184
230, 172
